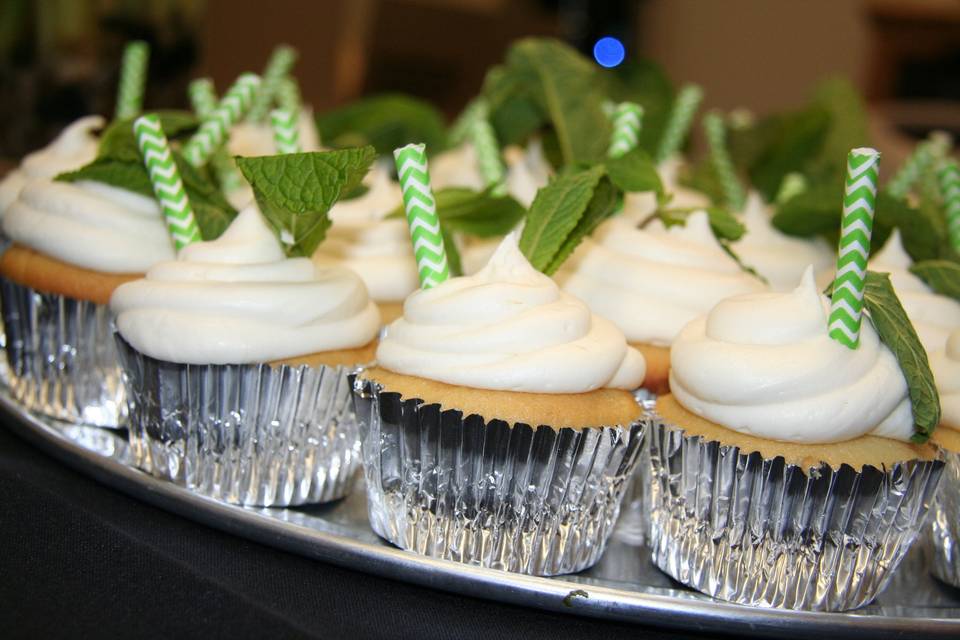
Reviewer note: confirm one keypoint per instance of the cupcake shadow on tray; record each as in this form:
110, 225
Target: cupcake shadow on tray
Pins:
564, 329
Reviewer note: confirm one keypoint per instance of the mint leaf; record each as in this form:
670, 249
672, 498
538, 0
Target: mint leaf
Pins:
724, 224
898, 334
791, 142
555, 212
296, 190
385, 122
848, 125
921, 231
119, 143
634, 171
606, 201
816, 210
476, 213
943, 276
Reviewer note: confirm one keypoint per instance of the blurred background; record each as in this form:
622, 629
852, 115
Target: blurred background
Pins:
59, 59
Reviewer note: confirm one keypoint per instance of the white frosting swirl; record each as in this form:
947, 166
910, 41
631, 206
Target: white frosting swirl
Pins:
933, 316
763, 364
946, 371
651, 282
779, 258
90, 225
74, 147
508, 327
527, 170
376, 248
238, 299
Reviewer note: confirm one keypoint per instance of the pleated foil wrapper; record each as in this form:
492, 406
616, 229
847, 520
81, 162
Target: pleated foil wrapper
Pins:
533, 500
945, 524
60, 356
633, 527
760, 532
252, 434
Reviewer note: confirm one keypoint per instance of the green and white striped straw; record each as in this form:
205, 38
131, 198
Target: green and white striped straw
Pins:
627, 119
133, 79
949, 176
463, 126
165, 178
485, 145
919, 162
280, 63
286, 136
422, 218
681, 117
288, 95
792, 185
859, 204
716, 132
203, 97
214, 130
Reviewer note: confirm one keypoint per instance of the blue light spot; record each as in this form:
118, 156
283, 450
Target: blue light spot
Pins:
608, 52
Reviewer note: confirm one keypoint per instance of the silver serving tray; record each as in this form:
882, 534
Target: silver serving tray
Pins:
624, 586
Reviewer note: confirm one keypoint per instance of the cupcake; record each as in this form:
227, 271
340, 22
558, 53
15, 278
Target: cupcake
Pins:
499, 427
945, 528
783, 473
652, 281
933, 315
236, 360
73, 244
377, 248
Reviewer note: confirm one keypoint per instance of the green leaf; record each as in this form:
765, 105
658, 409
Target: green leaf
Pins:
634, 171
817, 210
898, 334
702, 177
476, 213
119, 143
296, 190
920, 230
724, 224
943, 276
555, 212
848, 124
645, 83
606, 201
792, 141
385, 122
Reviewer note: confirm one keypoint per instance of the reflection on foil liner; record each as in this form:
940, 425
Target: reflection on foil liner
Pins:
945, 524
61, 356
633, 528
251, 434
540, 501
756, 531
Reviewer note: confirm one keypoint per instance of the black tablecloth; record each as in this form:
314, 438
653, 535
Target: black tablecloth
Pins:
80, 560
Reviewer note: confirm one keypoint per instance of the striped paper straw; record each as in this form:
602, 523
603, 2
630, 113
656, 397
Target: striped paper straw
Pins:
949, 176
792, 185
463, 126
280, 63
681, 117
203, 97
165, 178
286, 137
717, 139
627, 120
422, 218
288, 95
919, 162
488, 156
214, 130
859, 203
133, 79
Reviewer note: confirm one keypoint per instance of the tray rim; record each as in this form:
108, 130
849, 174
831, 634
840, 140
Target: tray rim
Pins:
550, 594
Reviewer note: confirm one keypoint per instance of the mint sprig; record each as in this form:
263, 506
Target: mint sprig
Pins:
477, 213
385, 122
295, 191
724, 224
943, 276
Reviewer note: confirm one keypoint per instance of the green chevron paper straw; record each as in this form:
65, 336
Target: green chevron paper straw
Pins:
488, 156
280, 63
214, 130
165, 178
203, 97
609, 108
285, 133
462, 127
681, 117
949, 176
627, 120
288, 95
920, 161
422, 218
792, 185
859, 201
716, 132
133, 79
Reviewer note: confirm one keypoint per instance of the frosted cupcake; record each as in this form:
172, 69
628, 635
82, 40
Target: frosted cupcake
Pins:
73, 244
236, 359
377, 248
933, 315
945, 529
498, 426
783, 473
650, 282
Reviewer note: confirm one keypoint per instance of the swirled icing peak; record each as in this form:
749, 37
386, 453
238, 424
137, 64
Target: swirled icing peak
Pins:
763, 364
946, 370
508, 327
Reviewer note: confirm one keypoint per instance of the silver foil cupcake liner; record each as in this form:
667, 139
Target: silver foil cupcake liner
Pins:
534, 500
61, 359
945, 524
251, 434
633, 528
758, 531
